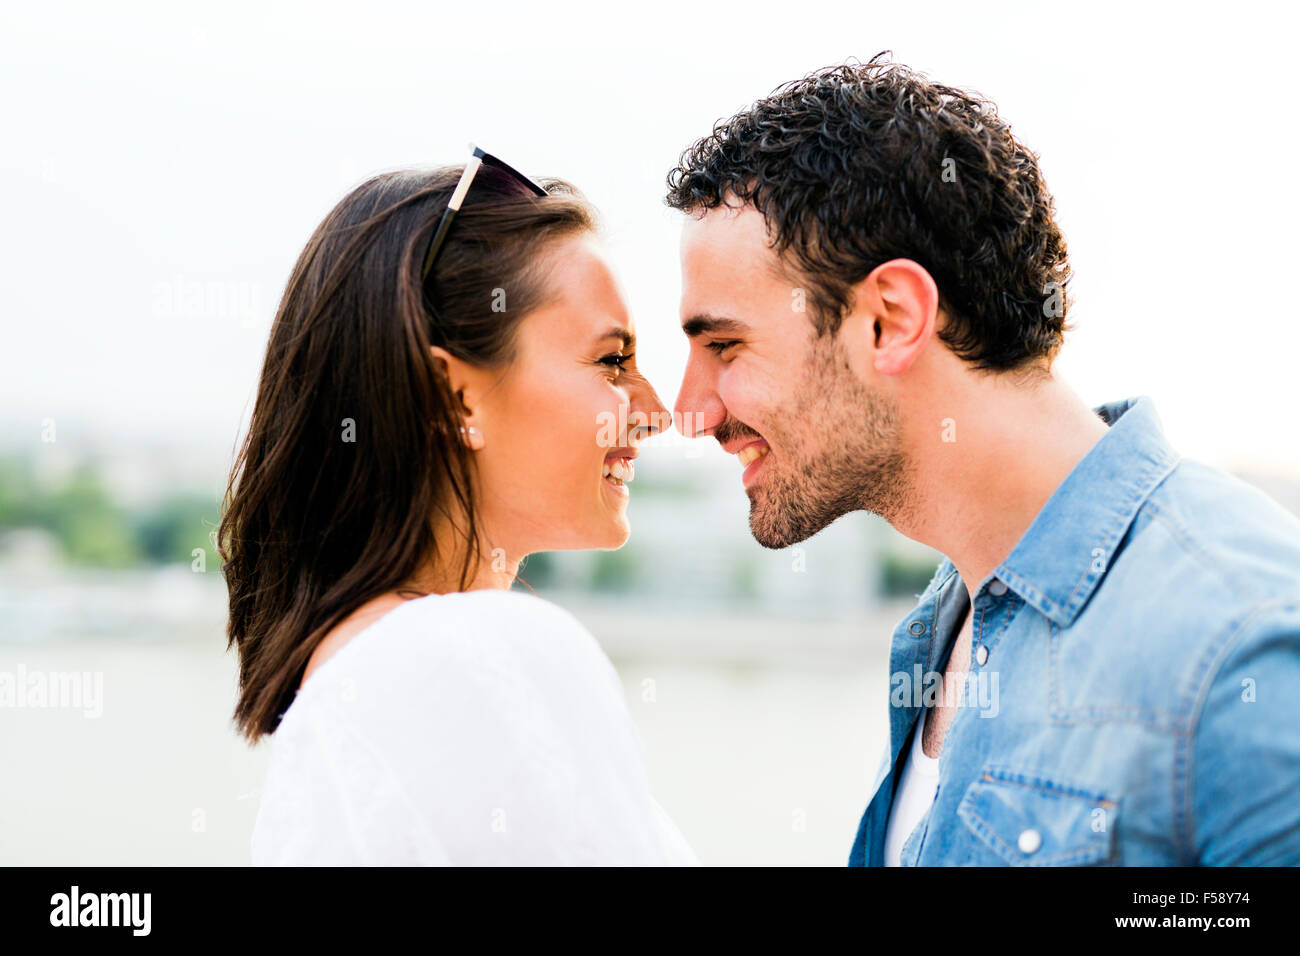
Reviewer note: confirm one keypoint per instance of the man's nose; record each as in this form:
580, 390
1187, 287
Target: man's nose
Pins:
698, 407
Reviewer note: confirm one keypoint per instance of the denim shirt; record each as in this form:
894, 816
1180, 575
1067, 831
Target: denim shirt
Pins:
1133, 696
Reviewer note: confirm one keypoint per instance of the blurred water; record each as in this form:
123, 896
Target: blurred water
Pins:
760, 735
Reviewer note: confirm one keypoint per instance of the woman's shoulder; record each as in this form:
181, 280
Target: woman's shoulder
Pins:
484, 620
454, 714
439, 647
470, 619
501, 633
496, 684
496, 607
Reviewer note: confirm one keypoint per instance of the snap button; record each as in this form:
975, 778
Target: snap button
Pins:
1030, 840
917, 627
981, 655
997, 588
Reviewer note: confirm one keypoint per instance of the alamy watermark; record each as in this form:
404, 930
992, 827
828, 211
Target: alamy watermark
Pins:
63, 690
130, 910
182, 298
928, 688
670, 429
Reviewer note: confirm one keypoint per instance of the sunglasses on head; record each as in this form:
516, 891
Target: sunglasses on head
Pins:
478, 159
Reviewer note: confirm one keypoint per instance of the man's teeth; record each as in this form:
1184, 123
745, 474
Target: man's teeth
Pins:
619, 470
751, 453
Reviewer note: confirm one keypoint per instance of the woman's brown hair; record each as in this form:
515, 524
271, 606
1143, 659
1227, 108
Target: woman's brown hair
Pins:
353, 452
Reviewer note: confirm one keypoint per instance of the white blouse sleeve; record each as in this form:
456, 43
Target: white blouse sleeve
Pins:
473, 729
330, 801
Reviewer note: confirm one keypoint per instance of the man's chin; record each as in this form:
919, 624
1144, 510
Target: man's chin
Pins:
781, 517
771, 529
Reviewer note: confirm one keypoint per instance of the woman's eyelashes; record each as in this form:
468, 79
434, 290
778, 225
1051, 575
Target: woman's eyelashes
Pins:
718, 347
617, 361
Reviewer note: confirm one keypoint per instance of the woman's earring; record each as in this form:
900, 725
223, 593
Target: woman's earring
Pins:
475, 440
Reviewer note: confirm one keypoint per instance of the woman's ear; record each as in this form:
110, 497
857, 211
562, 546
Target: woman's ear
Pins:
464, 381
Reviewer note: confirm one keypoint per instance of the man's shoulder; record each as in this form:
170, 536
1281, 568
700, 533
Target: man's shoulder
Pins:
1209, 567
1217, 538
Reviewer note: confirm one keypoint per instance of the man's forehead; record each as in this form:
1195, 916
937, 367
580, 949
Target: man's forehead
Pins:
730, 272
729, 224
729, 244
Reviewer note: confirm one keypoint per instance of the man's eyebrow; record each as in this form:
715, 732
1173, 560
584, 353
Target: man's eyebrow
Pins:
712, 325
622, 334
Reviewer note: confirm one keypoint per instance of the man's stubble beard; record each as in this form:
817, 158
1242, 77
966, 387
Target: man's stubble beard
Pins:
841, 452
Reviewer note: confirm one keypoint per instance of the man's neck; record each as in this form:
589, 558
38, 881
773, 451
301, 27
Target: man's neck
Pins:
985, 478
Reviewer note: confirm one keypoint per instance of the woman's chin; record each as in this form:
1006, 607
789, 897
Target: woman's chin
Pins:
617, 529
619, 532
610, 534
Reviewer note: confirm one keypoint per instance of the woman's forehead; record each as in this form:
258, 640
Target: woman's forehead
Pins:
585, 301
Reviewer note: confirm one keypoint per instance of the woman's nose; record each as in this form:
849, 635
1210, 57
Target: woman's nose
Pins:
646, 401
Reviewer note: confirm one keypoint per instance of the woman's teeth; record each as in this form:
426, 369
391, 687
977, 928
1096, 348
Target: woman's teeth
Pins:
751, 453
619, 470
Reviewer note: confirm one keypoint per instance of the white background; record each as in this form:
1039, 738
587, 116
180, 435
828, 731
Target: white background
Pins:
153, 148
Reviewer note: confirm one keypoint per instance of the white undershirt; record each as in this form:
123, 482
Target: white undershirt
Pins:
477, 728
915, 795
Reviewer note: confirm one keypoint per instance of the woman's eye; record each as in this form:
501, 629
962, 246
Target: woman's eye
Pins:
717, 348
616, 361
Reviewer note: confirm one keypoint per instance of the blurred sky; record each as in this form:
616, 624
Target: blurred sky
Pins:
162, 165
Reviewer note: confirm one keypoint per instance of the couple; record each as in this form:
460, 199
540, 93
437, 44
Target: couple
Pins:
873, 296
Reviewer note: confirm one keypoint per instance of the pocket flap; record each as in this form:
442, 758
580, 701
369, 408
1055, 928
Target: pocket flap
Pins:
1029, 820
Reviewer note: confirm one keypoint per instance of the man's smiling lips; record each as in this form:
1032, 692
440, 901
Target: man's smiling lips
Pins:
749, 453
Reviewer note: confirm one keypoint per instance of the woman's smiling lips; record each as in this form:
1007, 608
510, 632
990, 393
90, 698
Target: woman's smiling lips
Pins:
618, 469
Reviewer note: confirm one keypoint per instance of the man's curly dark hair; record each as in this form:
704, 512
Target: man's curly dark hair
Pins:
857, 164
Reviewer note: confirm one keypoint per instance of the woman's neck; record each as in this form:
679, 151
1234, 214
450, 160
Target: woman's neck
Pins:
445, 572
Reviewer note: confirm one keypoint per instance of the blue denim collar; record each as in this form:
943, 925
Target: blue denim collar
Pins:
1067, 549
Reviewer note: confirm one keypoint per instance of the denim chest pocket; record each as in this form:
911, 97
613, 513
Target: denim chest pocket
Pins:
1028, 820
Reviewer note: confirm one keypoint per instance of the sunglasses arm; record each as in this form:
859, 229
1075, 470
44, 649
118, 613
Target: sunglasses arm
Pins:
453, 207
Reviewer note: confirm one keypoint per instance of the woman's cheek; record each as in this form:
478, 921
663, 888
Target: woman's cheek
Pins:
572, 424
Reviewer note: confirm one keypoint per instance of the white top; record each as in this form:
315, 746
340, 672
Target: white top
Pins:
477, 728
916, 789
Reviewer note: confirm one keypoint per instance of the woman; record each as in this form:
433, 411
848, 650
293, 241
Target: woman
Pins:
429, 413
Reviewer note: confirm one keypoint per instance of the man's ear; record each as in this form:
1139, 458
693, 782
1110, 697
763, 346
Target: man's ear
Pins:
465, 385
895, 309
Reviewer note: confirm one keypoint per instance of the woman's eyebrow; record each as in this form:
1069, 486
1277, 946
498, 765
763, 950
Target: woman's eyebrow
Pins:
712, 325
622, 334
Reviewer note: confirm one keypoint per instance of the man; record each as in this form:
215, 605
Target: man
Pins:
874, 294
